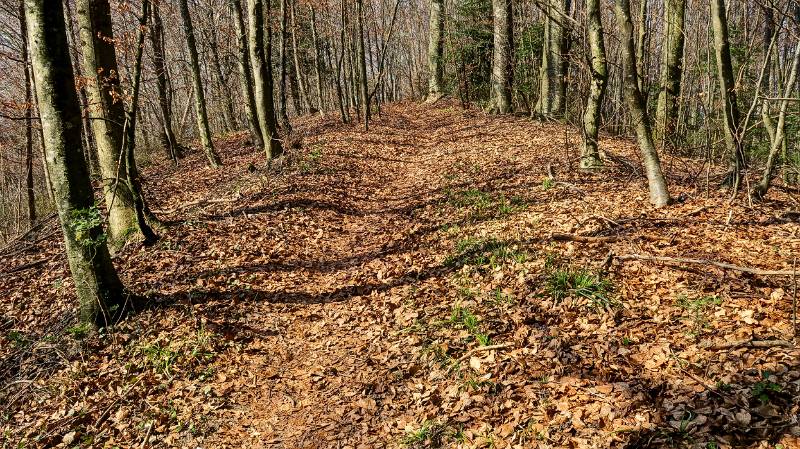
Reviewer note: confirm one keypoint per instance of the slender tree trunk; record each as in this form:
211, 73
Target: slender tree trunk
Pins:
317, 59
555, 63
590, 158
671, 72
341, 76
500, 100
168, 140
641, 45
659, 194
262, 82
733, 142
298, 69
100, 292
246, 75
228, 116
762, 187
283, 115
108, 115
362, 64
436, 51
199, 93
30, 193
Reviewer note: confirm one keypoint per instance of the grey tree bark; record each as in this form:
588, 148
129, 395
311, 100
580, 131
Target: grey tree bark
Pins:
500, 99
671, 72
317, 60
30, 194
436, 51
107, 115
659, 194
283, 115
362, 64
246, 75
199, 94
168, 140
730, 108
262, 82
298, 69
100, 292
590, 157
555, 63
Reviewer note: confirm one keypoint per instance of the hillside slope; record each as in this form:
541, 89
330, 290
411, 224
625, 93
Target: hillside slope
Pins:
409, 286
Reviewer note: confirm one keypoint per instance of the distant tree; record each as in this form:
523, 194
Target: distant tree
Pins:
671, 71
500, 99
598, 67
263, 82
436, 51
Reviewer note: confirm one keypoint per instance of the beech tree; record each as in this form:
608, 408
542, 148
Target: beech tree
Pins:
263, 82
99, 290
500, 99
436, 50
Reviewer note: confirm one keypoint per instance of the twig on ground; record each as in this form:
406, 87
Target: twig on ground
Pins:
583, 239
751, 343
473, 351
723, 265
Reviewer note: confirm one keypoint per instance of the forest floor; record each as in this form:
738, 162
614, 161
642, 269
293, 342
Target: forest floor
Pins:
408, 287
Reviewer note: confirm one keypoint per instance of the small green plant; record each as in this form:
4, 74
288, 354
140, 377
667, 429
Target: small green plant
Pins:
79, 331
461, 316
161, 357
429, 435
698, 309
482, 253
87, 227
626, 341
564, 282
765, 389
315, 155
547, 184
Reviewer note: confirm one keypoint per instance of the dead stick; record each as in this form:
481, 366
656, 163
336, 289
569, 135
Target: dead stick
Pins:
484, 348
794, 299
723, 265
582, 238
750, 344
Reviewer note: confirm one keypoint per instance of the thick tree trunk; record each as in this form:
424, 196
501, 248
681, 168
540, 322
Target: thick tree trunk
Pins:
730, 110
246, 75
168, 140
99, 290
262, 82
671, 72
500, 99
199, 93
659, 194
590, 157
30, 194
436, 51
555, 63
107, 114
362, 64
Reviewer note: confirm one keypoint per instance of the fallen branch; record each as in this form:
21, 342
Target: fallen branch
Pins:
473, 351
583, 239
749, 344
723, 265
26, 266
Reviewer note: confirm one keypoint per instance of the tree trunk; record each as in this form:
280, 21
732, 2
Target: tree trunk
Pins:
228, 116
555, 63
283, 116
362, 64
100, 292
590, 158
29, 190
263, 82
436, 51
298, 69
199, 94
500, 99
317, 60
168, 140
727, 88
641, 45
762, 187
659, 194
341, 76
107, 114
246, 75
671, 72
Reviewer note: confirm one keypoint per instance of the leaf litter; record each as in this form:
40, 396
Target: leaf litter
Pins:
400, 288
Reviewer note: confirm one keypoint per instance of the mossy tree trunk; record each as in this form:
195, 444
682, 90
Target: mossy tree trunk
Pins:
503, 38
436, 51
262, 81
727, 87
659, 194
555, 63
246, 75
590, 157
671, 72
107, 113
99, 290
199, 94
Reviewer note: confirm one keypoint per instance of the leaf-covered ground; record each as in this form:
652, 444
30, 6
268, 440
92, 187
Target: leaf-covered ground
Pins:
407, 287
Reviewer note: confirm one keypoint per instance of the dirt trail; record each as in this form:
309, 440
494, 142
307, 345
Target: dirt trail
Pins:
347, 299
